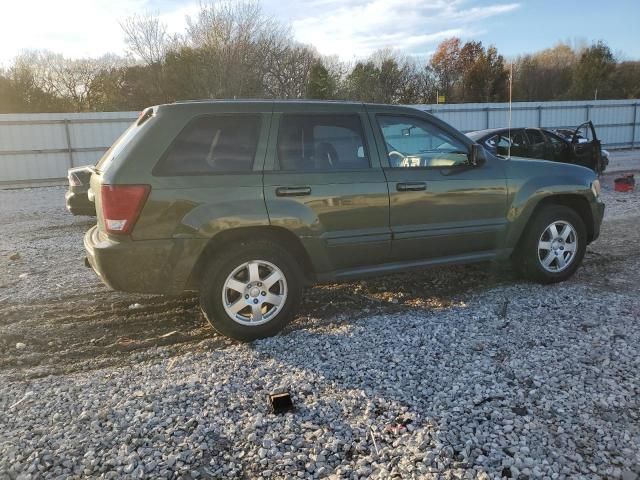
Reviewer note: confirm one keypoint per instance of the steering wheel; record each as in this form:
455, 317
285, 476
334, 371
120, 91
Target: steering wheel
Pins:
398, 154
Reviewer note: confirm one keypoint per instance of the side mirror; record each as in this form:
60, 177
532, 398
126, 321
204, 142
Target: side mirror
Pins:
476, 155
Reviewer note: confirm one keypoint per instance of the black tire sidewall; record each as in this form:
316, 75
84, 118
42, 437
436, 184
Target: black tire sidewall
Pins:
530, 266
219, 269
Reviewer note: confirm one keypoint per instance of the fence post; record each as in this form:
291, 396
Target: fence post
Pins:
69, 148
487, 119
633, 128
587, 111
540, 116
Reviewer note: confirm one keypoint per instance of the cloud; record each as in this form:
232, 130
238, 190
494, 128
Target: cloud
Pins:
348, 28
78, 28
356, 28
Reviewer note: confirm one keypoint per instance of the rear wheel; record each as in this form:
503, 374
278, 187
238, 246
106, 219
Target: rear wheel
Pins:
251, 291
553, 246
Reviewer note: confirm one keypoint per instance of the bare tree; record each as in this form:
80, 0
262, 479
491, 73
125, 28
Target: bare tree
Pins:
237, 40
287, 70
68, 79
146, 37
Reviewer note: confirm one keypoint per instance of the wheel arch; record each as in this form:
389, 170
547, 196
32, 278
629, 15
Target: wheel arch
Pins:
575, 202
217, 244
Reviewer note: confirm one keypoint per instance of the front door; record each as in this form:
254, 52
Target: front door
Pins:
441, 206
557, 148
323, 181
586, 147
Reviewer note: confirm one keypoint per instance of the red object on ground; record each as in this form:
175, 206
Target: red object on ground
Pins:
624, 183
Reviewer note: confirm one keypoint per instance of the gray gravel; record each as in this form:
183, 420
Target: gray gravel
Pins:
35, 225
624, 160
515, 380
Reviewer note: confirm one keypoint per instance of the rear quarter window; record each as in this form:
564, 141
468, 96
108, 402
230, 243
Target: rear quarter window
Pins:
117, 147
212, 144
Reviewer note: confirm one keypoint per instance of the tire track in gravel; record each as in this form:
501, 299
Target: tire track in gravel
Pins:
79, 332
612, 263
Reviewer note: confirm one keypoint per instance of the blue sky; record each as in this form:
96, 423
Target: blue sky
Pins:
347, 28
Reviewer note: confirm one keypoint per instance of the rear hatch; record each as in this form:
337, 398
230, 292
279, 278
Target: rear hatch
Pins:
118, 204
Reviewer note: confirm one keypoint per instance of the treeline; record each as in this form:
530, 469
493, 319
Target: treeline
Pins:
234, 50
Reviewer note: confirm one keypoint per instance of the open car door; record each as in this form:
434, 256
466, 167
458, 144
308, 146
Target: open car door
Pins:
586, 147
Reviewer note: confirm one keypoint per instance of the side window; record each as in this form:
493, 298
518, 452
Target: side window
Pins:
321, 142
535, 137
518, 140
500, 143
555, 145
414, 142
213, 144
554, 141
503, 141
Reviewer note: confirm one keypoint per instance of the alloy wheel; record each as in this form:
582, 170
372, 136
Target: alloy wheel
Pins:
557, 246
254, 292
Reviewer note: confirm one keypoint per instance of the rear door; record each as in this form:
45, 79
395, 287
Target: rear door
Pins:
323, 181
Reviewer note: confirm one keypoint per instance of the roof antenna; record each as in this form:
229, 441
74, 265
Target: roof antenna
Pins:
510, 84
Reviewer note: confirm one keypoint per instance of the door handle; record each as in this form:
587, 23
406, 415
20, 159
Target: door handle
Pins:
293, 191
411, 186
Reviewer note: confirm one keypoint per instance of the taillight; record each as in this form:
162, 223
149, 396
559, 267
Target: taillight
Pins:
121, 206
74, 181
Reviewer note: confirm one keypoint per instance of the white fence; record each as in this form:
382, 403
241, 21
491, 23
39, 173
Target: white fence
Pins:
42, 146
617, 121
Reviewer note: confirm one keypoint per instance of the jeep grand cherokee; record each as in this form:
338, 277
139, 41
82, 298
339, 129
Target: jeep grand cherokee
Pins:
249, 201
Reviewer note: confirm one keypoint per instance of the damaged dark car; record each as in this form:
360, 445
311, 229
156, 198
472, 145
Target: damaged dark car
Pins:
76, 198
581, 147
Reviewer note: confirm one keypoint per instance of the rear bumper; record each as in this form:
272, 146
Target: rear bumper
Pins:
78, 203
142, 266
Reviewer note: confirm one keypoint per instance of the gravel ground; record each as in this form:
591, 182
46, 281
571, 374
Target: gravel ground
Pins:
458, 372
622, 160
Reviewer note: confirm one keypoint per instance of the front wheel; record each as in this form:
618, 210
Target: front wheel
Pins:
251, 291
553, 246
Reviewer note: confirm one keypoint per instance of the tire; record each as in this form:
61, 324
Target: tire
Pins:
539, 246
238, 275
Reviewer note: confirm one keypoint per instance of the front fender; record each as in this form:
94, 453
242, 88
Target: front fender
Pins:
531, 182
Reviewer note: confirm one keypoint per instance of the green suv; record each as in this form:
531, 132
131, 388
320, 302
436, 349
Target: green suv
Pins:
249, 201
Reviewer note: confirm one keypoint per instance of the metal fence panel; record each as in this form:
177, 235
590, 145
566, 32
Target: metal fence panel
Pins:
617, 121
41, 146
